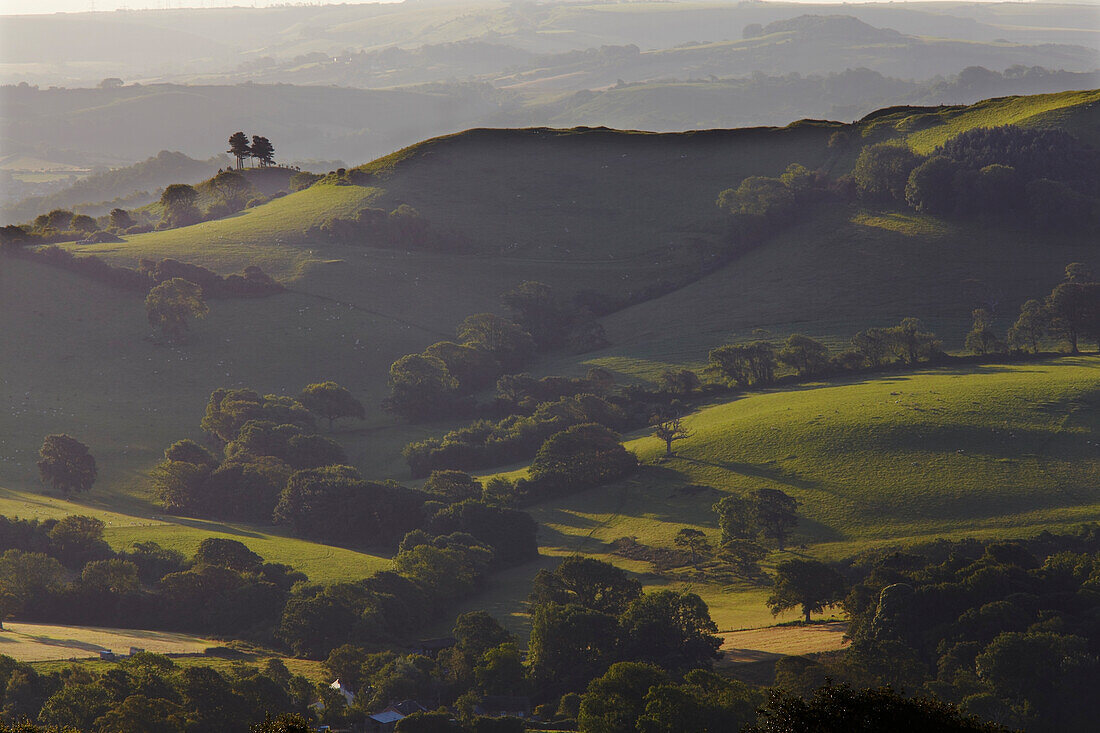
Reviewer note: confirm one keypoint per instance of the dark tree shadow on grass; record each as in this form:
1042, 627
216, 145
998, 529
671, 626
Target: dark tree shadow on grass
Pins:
214, 526
759, 471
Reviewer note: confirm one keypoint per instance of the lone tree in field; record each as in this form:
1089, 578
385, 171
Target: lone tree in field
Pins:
120, 219
331, 401
263, 150
66, 465
239, 148
694, 541
170, 304
774, 512
179, 202
669, 429
736, 518
811, 584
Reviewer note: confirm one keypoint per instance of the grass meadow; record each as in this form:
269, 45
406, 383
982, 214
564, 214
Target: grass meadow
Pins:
887, 461
42, 642
988, 451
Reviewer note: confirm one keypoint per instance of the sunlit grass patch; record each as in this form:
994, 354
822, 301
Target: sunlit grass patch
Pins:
908, 224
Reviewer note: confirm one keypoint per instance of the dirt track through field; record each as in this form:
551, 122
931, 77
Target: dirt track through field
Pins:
774, 642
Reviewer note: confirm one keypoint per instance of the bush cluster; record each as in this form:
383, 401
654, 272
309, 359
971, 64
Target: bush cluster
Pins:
485, 443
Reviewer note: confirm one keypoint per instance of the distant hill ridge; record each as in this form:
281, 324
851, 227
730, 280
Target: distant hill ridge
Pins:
584, 194
833, 28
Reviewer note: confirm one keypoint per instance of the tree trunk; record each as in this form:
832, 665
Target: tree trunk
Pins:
807, 612
668, 446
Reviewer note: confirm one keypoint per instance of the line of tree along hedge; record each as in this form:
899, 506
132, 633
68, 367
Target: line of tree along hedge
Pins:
589, 619
402, 228
150, 692
438, 381
252, 282
429, 574
485, 443
761, 206
62, 571
578, 458
758, 363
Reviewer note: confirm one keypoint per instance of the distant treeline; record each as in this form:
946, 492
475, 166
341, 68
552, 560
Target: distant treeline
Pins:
132, 185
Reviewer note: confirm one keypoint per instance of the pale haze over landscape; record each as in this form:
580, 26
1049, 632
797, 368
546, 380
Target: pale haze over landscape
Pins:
12, 7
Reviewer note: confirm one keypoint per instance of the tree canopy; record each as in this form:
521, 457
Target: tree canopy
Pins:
171, 304
66, 465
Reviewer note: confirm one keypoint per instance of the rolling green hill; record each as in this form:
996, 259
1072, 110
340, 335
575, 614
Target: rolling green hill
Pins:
988, 451
585, 195
613, 212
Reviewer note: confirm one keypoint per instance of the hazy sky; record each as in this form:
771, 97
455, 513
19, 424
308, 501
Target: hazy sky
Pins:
71, 6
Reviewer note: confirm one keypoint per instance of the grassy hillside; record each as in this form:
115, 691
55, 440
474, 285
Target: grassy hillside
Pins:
995, 451
598, 195
1079, 112
839, 273
607, 211
612, 212
640, 199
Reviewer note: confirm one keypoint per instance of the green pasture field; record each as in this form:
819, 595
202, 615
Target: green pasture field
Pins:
925, 130
892, 460
837, 274
28, 642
